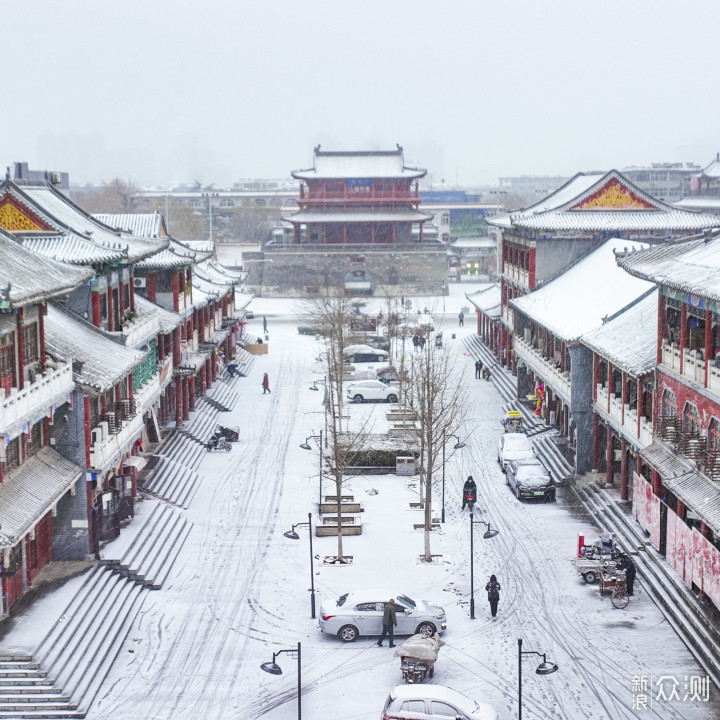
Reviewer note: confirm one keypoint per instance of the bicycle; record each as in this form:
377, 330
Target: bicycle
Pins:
615, 582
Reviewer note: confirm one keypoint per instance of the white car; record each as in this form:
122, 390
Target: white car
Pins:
514, 446
433, 702
361, 613
365, 353
370, 390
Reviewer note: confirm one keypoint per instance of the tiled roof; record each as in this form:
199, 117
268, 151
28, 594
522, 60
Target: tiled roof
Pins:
487, 301
699, 494
200, 246
98, 361
692, 266
71, 248
30, 491
369, 164
629, 340
174, 255
559, 211
68, 216
308, 216
168, 320
216, 273
713, 169
150, 225
31, 277
577, 301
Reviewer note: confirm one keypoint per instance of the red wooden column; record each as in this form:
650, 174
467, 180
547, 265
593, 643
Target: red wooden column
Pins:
624, 470
178, 402
683, 335
95, 302
596, 442
20, 345
186, 398
609, 456
191, 393
111, 309
175, 291
657, 483
625, 395
86, 410
42, 311
152, 287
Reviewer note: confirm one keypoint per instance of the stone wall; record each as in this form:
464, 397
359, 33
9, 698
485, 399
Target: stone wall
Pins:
299, 271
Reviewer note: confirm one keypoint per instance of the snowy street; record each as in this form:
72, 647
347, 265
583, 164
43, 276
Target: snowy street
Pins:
239, 590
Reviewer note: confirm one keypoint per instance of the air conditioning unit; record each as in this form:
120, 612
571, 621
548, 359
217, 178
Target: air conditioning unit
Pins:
139, 282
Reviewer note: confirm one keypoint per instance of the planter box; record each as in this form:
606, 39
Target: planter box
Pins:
350, 528
257, 348
346, 507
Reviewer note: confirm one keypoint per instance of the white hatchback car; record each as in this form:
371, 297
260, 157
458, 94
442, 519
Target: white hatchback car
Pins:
433, 702
361, 613
363, 390
514, 446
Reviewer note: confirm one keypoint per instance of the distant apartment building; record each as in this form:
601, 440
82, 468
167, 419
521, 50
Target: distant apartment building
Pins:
669, 182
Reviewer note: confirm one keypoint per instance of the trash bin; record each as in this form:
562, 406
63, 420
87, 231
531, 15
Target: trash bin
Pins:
404, 465
453, 336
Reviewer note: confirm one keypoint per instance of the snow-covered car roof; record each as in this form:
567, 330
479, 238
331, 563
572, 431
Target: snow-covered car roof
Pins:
357, 349
441, 692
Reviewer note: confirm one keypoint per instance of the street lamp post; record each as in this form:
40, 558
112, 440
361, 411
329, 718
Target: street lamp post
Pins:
489, 533
306, 446
274, 669
292, 535
544, 668
457, 446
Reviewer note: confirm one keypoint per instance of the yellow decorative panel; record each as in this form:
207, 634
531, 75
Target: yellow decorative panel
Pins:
614, 196
13, 220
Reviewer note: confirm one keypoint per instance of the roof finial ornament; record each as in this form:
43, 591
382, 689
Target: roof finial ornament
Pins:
317, 148
399, 147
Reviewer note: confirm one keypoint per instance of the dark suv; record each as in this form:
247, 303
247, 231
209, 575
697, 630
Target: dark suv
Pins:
529, 480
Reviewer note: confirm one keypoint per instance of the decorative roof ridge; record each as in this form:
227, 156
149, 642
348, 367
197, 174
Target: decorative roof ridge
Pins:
604, 180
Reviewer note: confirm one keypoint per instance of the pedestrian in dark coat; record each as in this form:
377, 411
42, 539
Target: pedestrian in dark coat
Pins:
461, 319
478, 368
264, 324
493, 591
266, 383
626, 563
389, 622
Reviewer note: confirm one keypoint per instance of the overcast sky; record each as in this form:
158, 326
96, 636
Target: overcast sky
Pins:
167, 91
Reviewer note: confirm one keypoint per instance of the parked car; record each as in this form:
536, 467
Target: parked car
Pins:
371, 390
514, 446
365, 353
433, 702
361, 613
529, 480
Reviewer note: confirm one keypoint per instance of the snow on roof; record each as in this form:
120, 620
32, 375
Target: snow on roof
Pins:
151, 225
72, 217
620, 206
98, 361
361, 164
629, 340
692, 266
33, 489
167, 319
215, 273
70, 248
31, 277
713, 169
479, 242
703, 202
487, 301
576, 302
174, 255
242, 300
199, 246
309, 216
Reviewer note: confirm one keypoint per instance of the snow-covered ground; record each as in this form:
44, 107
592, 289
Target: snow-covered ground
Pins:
240, 590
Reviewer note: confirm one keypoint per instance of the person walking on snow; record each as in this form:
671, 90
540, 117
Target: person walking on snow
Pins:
493, 591
461, 319
389, 622
478, 368
266, 383
264, 324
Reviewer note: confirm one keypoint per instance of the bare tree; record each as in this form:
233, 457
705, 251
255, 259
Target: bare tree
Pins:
116, 196
440, 406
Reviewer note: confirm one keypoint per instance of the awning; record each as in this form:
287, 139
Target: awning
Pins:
30, 491
135, 461
697, 493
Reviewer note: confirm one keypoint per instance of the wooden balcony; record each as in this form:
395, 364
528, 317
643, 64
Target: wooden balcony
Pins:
557, 379
517, 274
108, 447
49, 389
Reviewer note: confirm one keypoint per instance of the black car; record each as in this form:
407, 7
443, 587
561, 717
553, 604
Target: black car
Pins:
529, 480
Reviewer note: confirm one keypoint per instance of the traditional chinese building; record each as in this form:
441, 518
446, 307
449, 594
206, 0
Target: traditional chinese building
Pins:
623, 392
359, 227
541, 241
675, 493
487, 308
548, 328
34, 477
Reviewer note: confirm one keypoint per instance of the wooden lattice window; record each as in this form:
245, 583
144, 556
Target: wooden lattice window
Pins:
691, 419
714, 435
31, 343
12, 454
7, 361
34, 440
669, 404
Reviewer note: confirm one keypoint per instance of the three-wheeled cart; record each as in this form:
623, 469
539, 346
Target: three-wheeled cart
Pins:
417, 657
512, 422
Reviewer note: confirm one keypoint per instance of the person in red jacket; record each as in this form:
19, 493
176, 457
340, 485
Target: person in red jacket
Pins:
266, 383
